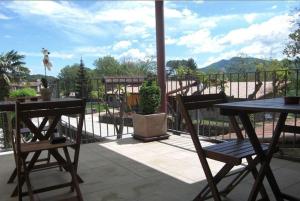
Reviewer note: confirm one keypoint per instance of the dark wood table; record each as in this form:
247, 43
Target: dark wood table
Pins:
243, 109
9, 106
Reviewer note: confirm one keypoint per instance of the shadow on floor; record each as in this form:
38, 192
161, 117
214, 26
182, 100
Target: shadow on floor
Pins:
110, 176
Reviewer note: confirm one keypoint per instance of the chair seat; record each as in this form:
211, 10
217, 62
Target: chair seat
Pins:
233, 151
27, 130
43, 145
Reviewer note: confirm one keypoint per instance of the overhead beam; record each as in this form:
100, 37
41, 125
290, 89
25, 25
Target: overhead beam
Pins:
160, 50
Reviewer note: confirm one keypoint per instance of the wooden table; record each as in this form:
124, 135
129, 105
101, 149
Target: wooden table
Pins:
243, 109
9, 106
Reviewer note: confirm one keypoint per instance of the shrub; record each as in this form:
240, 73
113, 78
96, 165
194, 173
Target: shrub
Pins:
149, 97
25, 92
44, 82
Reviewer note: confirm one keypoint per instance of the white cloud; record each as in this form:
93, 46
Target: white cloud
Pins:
4, 17
92, 50
109, 18
261, 40
251, 17
62, 55
275, 29
54, 54
136, 14
274, 7
63, 15
133, 54
201, 41
198, 1
134, 31
122, 45
170, 40
172, 13
260, 50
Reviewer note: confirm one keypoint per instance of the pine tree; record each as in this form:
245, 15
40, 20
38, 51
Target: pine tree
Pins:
81, 82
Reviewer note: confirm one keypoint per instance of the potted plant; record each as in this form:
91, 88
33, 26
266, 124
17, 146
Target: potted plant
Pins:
149, 125
45, 91
23, 94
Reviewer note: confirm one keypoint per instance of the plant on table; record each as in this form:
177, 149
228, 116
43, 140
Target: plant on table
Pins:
25, 92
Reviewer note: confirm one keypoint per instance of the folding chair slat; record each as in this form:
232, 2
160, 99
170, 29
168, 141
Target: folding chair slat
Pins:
202, 104
236, 151
222, 145
204, 97
43, 145
226, 149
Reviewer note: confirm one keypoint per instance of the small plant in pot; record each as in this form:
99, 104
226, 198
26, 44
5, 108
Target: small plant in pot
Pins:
22, 94
45, 91
149, 125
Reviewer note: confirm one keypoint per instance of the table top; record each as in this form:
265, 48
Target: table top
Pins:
10, 105
265, 105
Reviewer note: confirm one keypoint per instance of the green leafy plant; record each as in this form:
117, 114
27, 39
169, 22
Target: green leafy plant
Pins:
44, 82
25, 92
149, 97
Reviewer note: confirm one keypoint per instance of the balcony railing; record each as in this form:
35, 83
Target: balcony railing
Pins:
105, 96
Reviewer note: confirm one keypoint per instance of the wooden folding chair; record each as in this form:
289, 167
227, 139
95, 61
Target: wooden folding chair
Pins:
231, 153
41, 141
24, 132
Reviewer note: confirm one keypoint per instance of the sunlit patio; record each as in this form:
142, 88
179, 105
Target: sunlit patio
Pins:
129, 170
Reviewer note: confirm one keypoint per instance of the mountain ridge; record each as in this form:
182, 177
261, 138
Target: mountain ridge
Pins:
235, 64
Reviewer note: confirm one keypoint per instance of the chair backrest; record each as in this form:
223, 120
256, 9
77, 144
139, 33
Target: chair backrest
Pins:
51, 112
195, 102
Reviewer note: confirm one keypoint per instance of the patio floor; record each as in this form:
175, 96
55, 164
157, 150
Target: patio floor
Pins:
129, 170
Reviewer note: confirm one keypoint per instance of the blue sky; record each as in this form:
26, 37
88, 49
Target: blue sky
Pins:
207, 31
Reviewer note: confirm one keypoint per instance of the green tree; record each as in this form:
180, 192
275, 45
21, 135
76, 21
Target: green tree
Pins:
174, 64
279, 75
293, 47
67, 77
12, 69
108, 66
139, 67
191, 64
81, 82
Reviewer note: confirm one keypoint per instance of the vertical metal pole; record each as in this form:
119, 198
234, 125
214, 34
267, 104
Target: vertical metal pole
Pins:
160, 49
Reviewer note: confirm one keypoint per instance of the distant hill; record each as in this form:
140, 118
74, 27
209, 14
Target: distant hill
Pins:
235, 64
32, 78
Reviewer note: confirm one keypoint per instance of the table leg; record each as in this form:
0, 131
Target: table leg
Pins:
250, 161
265, 169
